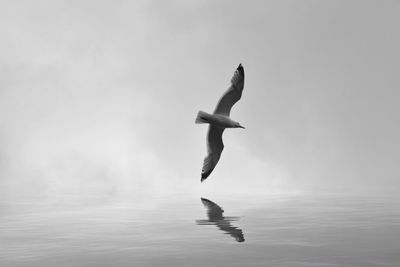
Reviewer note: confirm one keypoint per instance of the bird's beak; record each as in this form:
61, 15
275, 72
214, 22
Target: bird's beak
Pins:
240, 126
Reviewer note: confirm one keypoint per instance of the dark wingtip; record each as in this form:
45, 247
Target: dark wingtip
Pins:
204, 175
204, 200
240, 69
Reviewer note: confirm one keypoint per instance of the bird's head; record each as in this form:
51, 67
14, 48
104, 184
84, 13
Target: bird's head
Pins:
237, 125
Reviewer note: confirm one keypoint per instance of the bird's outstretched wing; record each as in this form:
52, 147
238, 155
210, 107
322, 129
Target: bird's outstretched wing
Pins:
214, 150
233, 94
214, 211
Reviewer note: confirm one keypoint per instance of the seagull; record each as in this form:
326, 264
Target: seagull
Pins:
216, 216
220, 120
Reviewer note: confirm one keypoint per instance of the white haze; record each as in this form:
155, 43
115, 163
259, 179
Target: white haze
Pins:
98, 98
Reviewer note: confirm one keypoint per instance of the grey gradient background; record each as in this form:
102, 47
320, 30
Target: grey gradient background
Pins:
98, 98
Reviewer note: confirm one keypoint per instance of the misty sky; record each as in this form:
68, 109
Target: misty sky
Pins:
99, 97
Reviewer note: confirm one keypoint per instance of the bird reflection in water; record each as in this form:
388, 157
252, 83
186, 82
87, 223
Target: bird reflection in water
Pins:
216, 217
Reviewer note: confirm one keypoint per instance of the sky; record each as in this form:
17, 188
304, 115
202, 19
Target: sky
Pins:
98, 98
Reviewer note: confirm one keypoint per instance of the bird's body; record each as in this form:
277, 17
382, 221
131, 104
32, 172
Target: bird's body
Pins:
220, 120
217, 120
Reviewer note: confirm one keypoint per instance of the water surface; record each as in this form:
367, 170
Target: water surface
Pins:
203, 231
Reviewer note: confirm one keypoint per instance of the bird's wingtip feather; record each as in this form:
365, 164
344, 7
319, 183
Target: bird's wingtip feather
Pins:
240, 69
204, 175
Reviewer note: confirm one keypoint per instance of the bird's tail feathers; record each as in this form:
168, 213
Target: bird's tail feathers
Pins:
201, 117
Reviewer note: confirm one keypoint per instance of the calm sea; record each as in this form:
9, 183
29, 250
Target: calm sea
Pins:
203, 231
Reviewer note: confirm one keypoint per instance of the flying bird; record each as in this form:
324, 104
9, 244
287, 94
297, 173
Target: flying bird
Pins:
216, 216
220, 120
